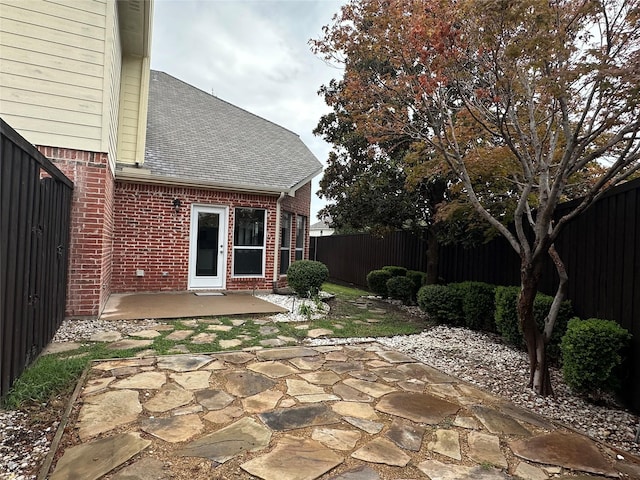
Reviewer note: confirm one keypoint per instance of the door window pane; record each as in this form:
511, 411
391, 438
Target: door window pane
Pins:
207, 251
249, 227
247, 262
285, 242
249, 238
301, 223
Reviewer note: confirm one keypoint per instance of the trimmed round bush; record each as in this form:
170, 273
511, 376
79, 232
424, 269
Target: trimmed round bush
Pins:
508, 326
442, 303
306, 277
377, 281
395, 271
541, 307
506, 315
592, 352
419, 279
478, 305
400, 288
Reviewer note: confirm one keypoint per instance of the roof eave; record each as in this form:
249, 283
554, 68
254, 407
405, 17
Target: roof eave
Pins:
301, 183
148, 178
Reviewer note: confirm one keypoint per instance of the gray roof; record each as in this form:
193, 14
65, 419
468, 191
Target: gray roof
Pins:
193, 136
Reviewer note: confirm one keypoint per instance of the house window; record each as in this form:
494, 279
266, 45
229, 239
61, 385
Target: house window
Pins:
249, 242
285, 243
301, 223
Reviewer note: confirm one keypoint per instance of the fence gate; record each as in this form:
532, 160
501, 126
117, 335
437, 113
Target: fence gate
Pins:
35, 210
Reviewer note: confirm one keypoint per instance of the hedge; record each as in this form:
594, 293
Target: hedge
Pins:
442, 303
592, 352
377, 281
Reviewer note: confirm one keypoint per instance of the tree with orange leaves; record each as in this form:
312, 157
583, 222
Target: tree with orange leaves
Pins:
549, 87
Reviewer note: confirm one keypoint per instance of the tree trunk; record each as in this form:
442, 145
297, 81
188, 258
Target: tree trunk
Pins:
433, 255
539, 379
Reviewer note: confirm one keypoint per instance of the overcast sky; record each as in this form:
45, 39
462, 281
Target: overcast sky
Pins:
253, 54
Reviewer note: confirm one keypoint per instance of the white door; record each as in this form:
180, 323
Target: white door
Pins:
208, 247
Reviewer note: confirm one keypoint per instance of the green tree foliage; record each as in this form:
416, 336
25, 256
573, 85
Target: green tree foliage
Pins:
519, 98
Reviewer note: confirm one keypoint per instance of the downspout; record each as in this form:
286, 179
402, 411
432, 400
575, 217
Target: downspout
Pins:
276, 250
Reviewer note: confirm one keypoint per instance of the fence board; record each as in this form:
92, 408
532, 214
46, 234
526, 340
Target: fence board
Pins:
35, 213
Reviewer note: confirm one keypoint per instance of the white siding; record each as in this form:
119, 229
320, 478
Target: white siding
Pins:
113, 67
131, 109
58, 76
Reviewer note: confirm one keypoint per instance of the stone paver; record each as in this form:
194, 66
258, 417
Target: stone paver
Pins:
485, 448
170, 396
105, 454
405, 434
305, 460
173, 429
144, 380
319, 332
226, 344
144, 469
336, 438
110, 336
498, 422
149, 334
418, 407
128, 343
333, 412
447, 443
381, 450
563, 449
298, 417
179, 335
245, 435
436, 470
192, 380
106, 411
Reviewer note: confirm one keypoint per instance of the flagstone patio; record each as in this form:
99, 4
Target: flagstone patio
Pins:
360, 412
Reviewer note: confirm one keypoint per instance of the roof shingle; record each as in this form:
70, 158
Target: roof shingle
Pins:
196, 137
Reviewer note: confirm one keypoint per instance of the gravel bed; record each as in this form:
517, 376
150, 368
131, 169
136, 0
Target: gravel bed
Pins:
475, 357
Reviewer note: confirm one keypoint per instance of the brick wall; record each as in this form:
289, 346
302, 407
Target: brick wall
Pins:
150, 235
91, 228
298, 205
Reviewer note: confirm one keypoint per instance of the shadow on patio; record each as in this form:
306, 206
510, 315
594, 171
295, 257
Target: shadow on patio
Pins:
134, 306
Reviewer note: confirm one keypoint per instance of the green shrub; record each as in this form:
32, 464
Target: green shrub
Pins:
478, 305
400, 288
306, 277
377, 281
506, 315
508, 326
592, 351
442, 303
419, 279
541, 307
395, 271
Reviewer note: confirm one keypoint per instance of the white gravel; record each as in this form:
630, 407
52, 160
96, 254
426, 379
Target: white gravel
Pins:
475, 357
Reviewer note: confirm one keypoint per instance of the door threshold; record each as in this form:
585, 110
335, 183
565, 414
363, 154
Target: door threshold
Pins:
209, 294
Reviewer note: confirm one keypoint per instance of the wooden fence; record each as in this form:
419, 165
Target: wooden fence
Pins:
601, 250
35, 211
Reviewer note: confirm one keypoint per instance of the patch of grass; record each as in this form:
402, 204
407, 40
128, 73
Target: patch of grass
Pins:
48, 375
342, 291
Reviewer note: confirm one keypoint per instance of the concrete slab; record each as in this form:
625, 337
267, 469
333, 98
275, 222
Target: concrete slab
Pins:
134, 306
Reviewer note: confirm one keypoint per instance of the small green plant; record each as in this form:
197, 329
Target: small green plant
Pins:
395, 271
592, 352
305, 310
306, 277
377, 281
442, 303
400, 288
